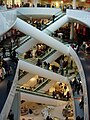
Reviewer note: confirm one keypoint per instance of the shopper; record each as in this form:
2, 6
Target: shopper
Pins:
11, 115
4, 52
53, 18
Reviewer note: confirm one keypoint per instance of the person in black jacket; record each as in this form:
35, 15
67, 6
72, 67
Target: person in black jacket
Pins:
11, 115
53, 18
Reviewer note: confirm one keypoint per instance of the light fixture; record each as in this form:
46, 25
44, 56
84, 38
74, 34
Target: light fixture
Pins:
61, 2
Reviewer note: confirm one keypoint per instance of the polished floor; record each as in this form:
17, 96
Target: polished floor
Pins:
53, 112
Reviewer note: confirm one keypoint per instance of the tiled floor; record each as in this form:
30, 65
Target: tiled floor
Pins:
55, 112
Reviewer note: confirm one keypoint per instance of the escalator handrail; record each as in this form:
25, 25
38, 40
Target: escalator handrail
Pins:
37, 93
23, 15
42, 58
50, 22
43, 83
24, 40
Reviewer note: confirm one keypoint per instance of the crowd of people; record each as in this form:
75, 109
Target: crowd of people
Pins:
11, 115
61, 92
63, 7
5, 69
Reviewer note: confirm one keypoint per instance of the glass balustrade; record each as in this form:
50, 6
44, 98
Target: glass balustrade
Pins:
40, 83
67, 71
40, 94
57, 16
46, 81
21, 41
2, 8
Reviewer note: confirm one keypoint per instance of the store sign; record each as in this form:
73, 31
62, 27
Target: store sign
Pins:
87, 1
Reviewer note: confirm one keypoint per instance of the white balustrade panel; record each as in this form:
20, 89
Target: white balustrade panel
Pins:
7, 20
38, 11
80, 15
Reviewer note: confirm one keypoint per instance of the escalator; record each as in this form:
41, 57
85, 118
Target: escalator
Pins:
42, 85
32, 68
25, 77
39, 72
46, 87
39, 97
40, 36
48, 40
85, 69
60, 20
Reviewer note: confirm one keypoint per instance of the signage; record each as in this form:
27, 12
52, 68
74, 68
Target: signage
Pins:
87, 1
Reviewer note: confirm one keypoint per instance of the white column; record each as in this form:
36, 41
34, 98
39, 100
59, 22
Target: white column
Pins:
72, 31
35, 2
74, 4
16, 106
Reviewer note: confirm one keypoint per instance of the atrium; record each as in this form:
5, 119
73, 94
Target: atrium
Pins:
44, 61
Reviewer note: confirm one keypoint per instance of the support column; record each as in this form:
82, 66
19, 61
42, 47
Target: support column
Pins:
35, 2
16, 106
12, 2
74, 4
72, 31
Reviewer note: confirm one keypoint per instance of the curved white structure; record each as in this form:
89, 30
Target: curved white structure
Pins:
41, 72
79, 15
49, 30
39, 12
82, 76
68, 52
40, 36
48, 40
7, 20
